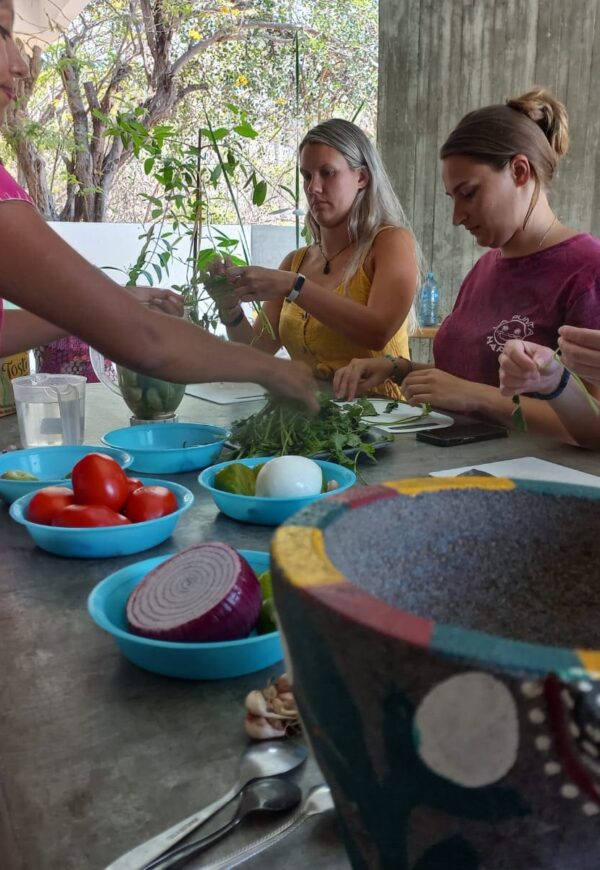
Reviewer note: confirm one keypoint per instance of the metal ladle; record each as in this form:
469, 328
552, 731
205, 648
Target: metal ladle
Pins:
262, 795
269, 758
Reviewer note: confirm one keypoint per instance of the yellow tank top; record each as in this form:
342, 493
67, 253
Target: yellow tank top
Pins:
324, 350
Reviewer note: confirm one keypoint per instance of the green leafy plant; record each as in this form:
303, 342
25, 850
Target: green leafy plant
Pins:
187, 177
282, 428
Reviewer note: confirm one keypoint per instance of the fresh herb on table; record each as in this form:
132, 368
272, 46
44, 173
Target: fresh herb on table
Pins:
517, 415
282, 428
414, 418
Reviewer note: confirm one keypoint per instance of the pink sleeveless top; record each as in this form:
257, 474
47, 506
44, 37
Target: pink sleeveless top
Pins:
10, 190
69, 355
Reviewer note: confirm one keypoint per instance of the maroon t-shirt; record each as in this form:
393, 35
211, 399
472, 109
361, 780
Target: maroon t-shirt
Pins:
519, 297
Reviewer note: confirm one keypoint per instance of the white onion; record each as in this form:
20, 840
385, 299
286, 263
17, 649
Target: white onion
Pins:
204, 594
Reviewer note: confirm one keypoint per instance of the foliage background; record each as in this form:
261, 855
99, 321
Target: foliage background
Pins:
119, 54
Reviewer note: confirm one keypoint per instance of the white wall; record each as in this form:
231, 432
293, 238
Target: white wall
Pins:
118, 245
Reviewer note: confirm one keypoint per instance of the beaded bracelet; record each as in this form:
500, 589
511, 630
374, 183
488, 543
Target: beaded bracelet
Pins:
564, 380
235, 322
397, 376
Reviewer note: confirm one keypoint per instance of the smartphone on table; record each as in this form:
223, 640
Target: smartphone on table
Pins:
462, 433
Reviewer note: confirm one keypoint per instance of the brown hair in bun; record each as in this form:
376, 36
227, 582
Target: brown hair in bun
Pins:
548, 113
534, 124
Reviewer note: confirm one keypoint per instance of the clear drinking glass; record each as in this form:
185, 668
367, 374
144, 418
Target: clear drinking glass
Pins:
50, 409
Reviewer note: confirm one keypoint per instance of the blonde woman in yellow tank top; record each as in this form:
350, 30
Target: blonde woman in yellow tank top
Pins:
350, 293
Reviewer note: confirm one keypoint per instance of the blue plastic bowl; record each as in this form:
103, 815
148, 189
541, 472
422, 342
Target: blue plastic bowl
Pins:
270, 511
191, 661
104, 541
169, 448
50, 464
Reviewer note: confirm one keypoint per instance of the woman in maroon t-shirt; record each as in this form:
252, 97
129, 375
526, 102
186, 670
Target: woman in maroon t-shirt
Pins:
497, 166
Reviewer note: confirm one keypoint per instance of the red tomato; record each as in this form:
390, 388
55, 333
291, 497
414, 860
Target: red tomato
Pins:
98, 479
134, 483
150, 503
89, 516
47, 503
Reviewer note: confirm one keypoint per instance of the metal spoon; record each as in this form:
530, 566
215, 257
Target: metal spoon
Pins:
317, 801
269, 758
262, 795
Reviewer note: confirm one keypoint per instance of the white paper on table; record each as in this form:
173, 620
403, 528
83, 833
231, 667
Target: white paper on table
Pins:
527, 468
225, 393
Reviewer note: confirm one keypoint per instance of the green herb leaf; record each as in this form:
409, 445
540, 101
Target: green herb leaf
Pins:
282, 428
518, 419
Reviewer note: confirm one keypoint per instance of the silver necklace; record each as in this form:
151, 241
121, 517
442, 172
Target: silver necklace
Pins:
541, 241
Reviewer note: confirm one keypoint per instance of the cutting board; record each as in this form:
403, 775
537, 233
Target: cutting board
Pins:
224, 393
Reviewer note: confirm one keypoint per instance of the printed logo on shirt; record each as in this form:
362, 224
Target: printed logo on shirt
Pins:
516, 327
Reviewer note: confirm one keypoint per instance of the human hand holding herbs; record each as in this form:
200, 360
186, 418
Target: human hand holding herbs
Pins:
218, 284
220, 289
580, 351
258, 282
537, 371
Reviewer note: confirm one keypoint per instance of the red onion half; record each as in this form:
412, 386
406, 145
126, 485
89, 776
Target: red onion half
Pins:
204, 594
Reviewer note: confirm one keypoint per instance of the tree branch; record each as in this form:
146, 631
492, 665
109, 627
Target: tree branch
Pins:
84, 206
190, 89
232, 35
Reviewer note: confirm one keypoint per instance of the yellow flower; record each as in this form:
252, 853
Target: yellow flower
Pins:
241, 81
195, 34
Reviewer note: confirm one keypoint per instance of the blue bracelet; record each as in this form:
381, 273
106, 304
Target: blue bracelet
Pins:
556, 393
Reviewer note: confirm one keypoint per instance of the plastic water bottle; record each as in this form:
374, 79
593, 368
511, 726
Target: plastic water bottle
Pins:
429, 301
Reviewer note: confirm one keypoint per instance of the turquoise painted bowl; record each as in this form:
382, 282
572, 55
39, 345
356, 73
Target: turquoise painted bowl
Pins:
189, 661
105, 541
270, 511
50, 464
169, 448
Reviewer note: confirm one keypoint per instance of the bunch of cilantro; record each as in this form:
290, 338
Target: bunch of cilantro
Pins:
284, 428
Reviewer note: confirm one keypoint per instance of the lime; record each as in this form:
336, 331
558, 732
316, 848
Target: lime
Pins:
17, 474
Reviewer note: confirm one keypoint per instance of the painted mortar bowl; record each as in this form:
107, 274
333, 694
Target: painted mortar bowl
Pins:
444, 641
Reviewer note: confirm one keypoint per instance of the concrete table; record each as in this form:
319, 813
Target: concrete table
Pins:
97, 755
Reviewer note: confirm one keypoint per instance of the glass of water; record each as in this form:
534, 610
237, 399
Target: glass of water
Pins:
50, 409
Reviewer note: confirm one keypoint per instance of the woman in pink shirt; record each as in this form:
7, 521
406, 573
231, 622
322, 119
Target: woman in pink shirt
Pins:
60, 293
497, 167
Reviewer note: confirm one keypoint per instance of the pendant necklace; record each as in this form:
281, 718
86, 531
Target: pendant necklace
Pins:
541, 241
329, 260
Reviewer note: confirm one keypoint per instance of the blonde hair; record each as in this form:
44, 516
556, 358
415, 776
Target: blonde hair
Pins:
535, 124
374, 207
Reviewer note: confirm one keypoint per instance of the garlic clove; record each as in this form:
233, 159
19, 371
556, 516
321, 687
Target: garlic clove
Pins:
261, 729
256, 703
283, 684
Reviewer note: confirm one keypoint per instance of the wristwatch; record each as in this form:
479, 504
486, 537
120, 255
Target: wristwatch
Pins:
296, 288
